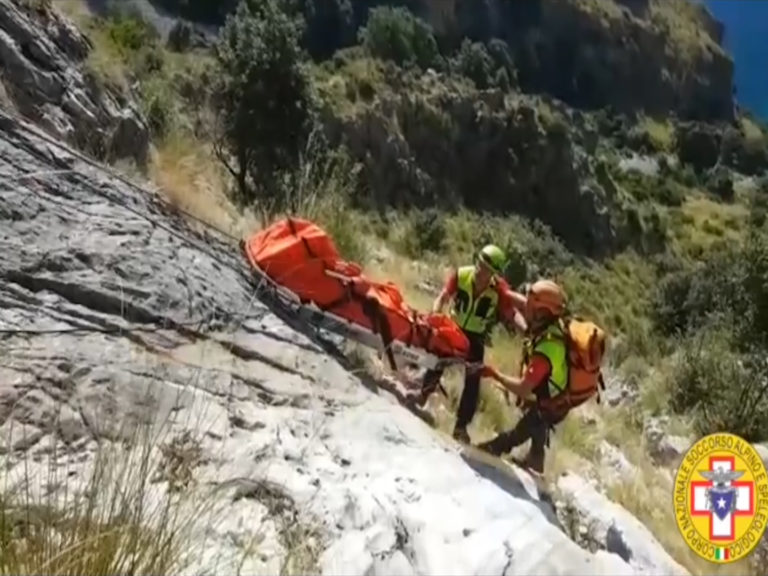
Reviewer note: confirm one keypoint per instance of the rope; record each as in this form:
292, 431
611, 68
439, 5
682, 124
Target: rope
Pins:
113, 330
152, 326
162, 203
114, 174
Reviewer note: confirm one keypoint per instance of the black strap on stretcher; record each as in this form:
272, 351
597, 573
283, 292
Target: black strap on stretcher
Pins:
370, 306
372, 309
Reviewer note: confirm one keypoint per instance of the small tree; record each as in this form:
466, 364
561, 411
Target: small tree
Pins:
474, 62
394, 33
262, 100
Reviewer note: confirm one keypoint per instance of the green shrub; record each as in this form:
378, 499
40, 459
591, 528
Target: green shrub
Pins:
720, 183
531, 247
545, 250
503, 61
686, 175
262, 100
687, 300
745, 150
723, 390
643, 187
669, 193
501, 80
322, 193
758, 208
754, 260
394, 33
425, 232
429, 229
644, 227
381, 226
673, 311
148, 61
729, 288
517, 266
159, 112
474, 62
762, 185
180, 37
757, 215
130, 32
656, 231
713, 227
346, 228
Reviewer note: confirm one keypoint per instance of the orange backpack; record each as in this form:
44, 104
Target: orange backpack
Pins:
585, 344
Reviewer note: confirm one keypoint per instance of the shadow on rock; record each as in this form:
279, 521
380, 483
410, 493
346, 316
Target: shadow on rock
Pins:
512, 483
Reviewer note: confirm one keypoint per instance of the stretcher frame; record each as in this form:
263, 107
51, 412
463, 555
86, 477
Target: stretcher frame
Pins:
310, 314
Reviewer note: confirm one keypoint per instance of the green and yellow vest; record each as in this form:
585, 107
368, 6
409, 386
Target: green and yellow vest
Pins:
475, 315
551, 343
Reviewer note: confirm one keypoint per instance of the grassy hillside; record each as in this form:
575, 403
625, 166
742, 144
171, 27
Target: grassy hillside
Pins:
652, 55
456, 133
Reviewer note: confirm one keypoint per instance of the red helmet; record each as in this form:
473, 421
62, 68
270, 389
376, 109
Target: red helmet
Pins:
545, 295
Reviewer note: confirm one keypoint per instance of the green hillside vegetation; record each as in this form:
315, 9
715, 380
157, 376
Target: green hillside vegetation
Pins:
415, 132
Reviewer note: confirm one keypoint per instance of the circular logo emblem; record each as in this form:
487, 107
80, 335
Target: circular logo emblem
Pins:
721, 498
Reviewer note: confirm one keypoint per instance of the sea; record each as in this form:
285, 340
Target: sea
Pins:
746, 39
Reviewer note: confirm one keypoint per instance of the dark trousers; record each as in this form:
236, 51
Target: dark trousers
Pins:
471, 391
533, 426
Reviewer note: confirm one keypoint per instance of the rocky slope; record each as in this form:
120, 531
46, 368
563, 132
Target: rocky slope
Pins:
654, 56
632, 55
44, 75
434, 140
114, 313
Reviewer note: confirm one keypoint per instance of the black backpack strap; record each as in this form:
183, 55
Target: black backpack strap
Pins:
381, 326
601, 382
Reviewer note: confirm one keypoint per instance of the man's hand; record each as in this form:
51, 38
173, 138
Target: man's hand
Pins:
484, 370
519, 323
489, 372
439, 302
518, 300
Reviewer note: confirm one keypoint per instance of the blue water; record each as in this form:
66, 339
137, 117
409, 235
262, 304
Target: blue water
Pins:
746, 39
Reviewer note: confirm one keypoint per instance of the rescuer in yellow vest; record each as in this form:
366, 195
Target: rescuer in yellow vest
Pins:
544, 375
480, 297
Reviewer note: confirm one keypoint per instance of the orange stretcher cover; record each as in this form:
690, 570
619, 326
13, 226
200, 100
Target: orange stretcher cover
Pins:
299, 256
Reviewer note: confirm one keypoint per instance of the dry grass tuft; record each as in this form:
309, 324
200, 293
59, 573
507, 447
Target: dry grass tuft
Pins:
701, 221
76, 10
661, 133
189, 176
102, 517
349, 84
752, 132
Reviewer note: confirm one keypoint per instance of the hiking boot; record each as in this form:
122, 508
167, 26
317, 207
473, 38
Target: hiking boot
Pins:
534, 462
460, 435
421, 397
495, 447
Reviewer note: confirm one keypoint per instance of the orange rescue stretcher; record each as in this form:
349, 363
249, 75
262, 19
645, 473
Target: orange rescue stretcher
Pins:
299, 265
